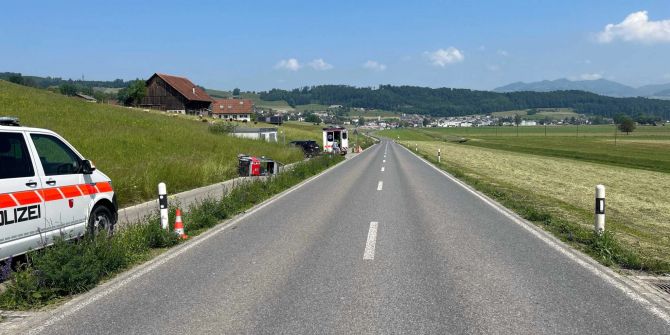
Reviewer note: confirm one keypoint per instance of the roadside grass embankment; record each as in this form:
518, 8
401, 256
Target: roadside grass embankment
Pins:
558, 194
138, 149
67, 268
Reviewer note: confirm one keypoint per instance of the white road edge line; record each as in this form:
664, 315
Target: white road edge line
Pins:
369, 253
589, 264
380, 185
384, 161
382, 169
123, 279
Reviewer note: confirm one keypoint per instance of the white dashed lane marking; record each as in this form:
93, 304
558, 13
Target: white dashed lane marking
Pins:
369, 253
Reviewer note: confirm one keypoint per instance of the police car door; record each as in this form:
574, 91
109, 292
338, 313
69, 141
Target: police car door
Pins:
60, 168
21, 208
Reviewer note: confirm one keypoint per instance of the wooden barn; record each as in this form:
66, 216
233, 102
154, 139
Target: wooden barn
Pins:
175, 94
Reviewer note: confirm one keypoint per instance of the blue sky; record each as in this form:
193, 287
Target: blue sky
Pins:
257, 45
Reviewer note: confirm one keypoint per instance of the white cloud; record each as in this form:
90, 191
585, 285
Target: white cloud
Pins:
320, 65
375, 66
503, 53
442, 57
590, 76
290, 64
636, 27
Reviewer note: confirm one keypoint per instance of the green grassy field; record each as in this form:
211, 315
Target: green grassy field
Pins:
218, 93
138, 149
551, 113
555, 176
648, 147
281, 104
311, 107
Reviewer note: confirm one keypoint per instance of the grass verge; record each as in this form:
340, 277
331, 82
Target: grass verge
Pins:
71, 267
563, 219
138, 149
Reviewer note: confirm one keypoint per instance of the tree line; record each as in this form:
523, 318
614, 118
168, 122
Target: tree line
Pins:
46, 82
441, 102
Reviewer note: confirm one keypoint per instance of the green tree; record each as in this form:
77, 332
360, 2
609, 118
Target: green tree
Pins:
236, 92
517, 119
313, 118
86, 90
67, 89
618, 119
361, 121
16, 79
627, 125
133, 94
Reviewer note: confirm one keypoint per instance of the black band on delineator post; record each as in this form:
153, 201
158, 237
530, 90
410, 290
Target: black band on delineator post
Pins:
162, 201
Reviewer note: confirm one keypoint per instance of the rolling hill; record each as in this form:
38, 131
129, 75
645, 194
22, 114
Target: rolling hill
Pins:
600, 86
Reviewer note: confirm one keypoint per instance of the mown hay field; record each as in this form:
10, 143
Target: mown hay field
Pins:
138, 149
638, 203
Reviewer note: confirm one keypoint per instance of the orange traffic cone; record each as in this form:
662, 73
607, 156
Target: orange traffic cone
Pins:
179, 226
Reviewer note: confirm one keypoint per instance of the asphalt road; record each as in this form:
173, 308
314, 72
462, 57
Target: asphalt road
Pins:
359, 250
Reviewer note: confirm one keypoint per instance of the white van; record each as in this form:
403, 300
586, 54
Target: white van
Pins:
47, 189
335, 139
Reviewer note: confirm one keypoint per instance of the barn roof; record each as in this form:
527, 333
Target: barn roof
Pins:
232, 106
185, 87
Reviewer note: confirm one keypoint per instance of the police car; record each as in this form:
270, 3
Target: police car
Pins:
47, 189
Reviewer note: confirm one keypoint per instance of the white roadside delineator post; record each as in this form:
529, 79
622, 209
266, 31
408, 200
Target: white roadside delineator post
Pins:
600, 210
439, 155
163, 205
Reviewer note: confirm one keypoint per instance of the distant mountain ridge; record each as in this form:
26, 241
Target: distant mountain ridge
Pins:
599, 86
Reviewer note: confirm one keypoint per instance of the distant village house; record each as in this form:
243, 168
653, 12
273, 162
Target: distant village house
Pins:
175, 94
233, 109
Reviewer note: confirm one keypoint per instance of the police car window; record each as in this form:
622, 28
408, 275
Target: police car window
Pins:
15, 160
56, 157
330, 136
344, 136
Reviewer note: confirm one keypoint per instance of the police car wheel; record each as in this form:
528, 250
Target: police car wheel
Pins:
100, 220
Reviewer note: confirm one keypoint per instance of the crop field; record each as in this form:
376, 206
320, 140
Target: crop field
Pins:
558, 173
138, 149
